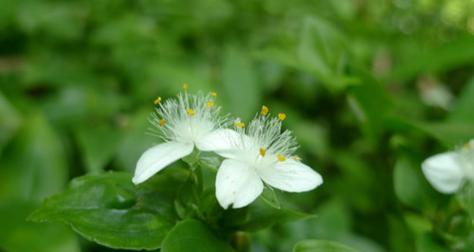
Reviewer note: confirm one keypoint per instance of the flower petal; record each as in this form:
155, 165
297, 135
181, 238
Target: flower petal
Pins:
444, 172
225, 142
237, 184
291, 176
158, 157
220, 139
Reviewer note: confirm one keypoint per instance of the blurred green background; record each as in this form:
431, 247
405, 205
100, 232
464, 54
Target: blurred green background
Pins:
371, 88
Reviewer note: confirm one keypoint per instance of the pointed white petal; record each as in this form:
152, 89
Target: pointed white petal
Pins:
290, 176
444, 172
237, 184
158, 157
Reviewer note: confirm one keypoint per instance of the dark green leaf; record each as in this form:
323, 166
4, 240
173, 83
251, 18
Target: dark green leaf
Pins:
192, 235
111, 211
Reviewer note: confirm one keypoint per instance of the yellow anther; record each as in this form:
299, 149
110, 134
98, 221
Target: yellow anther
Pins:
162, 122
239, 124
214, 94
296, 157
281, 158
281, 116
185, 86
210, 104
157, 101
263, 151
264, 111
190, 112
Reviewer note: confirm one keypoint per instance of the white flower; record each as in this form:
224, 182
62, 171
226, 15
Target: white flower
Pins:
448, 171
182, 123
260, 152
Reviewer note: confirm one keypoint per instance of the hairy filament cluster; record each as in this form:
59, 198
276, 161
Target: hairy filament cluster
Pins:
187, 117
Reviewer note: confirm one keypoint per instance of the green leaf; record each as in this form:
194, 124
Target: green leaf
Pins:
462, 111
34, 165
98, 145
321, 246
9, 121
16, 234
410, 185
111, 211
450, 134
270, 197
259, 215
240, 85
193, 235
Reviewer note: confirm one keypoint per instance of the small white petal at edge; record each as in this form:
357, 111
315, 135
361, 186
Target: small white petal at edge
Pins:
237, 184
444, 172
158, 157
291, 176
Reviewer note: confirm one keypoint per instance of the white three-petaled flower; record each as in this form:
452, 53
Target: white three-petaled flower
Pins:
259, 152
448, 171
185, 122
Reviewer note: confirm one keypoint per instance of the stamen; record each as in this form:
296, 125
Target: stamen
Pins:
210, 104
281, 116
239, 124
263, 152
190, 112
214, 94
162, 122
157, 100
281, 158
185, 86
264, 111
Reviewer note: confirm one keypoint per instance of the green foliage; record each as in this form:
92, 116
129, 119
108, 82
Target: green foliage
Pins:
371, 89
109, 210
192, 235
320, 245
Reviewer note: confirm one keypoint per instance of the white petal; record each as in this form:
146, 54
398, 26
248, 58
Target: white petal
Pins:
444, 172
158, 157
220, 139
237, 184
291, 176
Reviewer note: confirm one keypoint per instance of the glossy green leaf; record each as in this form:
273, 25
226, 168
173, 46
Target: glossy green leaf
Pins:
110, 210
193, 235
321, 246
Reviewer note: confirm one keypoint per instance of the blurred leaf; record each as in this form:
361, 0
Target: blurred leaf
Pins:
270, 197
259, 215
136, 140
111, 211
466, 198
426, 243
410, 185
192, 235
423, 58
370, 103
98, 144
18, 235
463, 109
34, 165
9, 121
322, 49
450, 134
240, 84
321, 246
